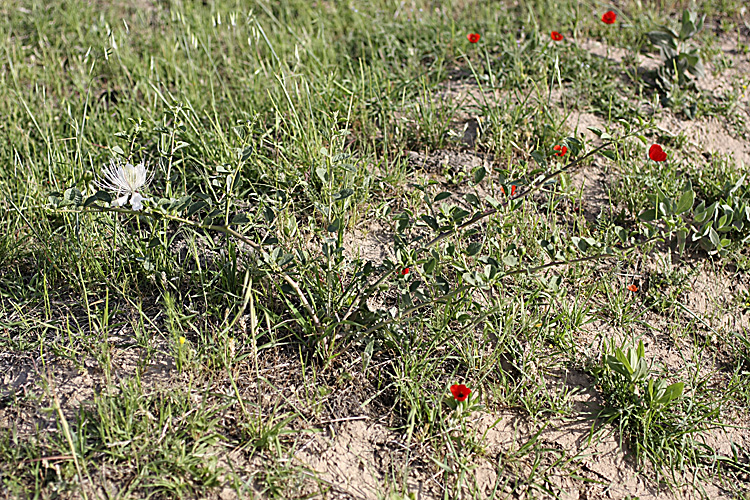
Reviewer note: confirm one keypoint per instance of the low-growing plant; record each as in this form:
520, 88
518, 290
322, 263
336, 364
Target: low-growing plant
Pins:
638, 403
681, 60
713, 224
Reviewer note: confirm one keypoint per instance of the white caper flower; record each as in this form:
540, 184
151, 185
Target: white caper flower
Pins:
125, 181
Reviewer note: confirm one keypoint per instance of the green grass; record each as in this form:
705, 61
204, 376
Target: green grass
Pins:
200, 344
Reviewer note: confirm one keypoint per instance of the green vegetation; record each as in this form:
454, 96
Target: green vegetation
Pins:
231, 229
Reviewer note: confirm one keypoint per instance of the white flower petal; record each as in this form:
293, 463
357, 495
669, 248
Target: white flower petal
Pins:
124, 180
136, 201
121, 201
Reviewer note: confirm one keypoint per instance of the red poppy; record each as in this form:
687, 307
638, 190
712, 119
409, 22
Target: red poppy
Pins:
473, 37
512, 190
460, 392
656, 153
556, 36
633, 288
609, 17
561, 150
405, 271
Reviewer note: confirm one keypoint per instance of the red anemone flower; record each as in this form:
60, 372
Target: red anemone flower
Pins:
561, 150
556, 36
513, 190
460, 392
405, 271
656, 153
473, 37
633, 288
609, 17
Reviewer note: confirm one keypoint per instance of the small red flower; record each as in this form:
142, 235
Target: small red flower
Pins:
512, 190
405, 271
460, 392
473, 37
656, 153
556, 36
632, 288
561, 150
609, 17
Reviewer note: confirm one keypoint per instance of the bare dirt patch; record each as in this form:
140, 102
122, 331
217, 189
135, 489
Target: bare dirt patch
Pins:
708, 135
363, 459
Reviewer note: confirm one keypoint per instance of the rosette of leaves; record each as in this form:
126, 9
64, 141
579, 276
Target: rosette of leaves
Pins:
717, 225
646, 409
716, 222
681, 58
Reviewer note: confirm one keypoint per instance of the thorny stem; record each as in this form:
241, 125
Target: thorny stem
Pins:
524, 270
535, 187
368, 290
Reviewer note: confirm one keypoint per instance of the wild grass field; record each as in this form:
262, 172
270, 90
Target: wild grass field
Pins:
374, 249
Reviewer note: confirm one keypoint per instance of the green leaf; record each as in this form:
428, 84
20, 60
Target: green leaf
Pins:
648, 215
468, 278
479, 174
54, 199
617, 365
72, 196
270, 215
442, 196
539, 158
195, 207
459, 213
685, 202
609, 154
641, 370
724, 223
622, 234
473, 200
662, 39
431, 221
492, 201
681, 239
687, 29
442, 284
671, 393
239, 219
625, 361
334, 226
510, 260
473, 249
430, 265
322, 174
714, 237
343, 194
98, 196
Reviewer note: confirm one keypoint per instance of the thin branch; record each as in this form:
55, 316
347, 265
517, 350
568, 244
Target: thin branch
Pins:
509, 273
535, 187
